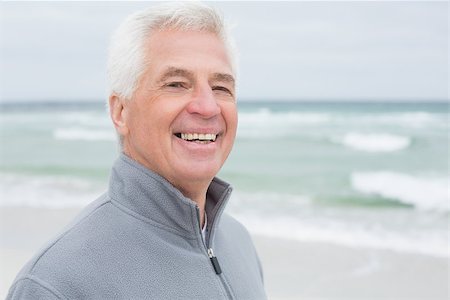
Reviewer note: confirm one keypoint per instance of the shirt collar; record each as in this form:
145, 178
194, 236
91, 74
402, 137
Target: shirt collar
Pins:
205, 224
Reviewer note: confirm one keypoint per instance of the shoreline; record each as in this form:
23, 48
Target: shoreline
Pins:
319, 270
292, 269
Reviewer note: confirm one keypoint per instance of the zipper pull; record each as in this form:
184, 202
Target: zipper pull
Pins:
214, 261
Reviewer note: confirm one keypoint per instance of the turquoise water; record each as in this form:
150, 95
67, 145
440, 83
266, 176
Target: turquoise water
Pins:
359, 174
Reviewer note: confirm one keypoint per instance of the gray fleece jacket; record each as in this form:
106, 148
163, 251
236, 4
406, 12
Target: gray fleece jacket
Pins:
142, 240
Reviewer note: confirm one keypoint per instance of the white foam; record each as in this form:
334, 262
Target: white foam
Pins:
422, 193
351, 235
411, 119
374, 142
267, 118
81, 133
90, 118
296, 217
265, 123
87, 118
418, 119
46, 191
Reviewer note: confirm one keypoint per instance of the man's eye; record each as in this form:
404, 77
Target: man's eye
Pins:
222, 89
176, 84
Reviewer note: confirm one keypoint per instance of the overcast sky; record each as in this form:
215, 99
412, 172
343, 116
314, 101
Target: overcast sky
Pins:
290, 50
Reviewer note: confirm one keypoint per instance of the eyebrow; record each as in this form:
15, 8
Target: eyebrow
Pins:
223, 77
174, 71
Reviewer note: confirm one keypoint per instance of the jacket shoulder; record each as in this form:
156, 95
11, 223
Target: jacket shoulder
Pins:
234, 244
32, 278
233, 232
233, 226
29, 287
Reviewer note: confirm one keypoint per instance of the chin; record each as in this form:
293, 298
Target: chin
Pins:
202, 172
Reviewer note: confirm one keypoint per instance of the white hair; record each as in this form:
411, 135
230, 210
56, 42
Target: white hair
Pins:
126, 61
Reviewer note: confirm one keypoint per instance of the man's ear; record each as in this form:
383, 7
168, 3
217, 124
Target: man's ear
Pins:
117, 113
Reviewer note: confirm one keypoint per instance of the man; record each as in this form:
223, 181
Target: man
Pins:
159, 232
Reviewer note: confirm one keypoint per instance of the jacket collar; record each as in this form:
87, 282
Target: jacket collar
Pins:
151, 196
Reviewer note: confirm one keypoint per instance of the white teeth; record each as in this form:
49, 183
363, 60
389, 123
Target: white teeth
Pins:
199, 136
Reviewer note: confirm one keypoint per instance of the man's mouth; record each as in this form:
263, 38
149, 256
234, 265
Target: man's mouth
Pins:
200, 138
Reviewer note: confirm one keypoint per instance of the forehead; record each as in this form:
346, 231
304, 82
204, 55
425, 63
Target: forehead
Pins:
187, 50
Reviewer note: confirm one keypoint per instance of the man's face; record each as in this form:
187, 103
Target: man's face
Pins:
181, 122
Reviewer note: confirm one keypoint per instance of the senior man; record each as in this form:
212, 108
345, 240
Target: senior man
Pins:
159, 232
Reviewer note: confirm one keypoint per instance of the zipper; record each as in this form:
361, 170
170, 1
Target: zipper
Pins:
210, 252
214, 261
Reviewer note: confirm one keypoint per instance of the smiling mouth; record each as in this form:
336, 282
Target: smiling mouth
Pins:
200, 138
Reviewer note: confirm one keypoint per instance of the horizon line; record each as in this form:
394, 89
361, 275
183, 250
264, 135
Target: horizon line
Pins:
240, 100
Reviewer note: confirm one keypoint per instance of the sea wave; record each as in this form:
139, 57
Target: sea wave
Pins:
421, 192
374, 142
418, 119
346, 234
46, 191
84, 133
266, 117
298, 217
90, 118
86, 118
265, 123
272, 214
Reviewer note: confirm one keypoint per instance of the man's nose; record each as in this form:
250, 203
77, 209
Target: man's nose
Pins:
204, 103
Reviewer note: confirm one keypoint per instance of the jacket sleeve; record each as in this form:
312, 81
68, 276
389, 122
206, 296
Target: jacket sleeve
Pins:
32, 288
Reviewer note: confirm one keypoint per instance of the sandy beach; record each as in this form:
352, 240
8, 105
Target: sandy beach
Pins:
293, 269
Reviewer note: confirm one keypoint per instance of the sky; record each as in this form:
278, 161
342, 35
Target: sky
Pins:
355, 50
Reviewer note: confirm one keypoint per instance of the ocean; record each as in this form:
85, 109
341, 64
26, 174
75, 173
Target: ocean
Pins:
372, 175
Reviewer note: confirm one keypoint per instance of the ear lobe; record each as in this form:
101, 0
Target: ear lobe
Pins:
117, 113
